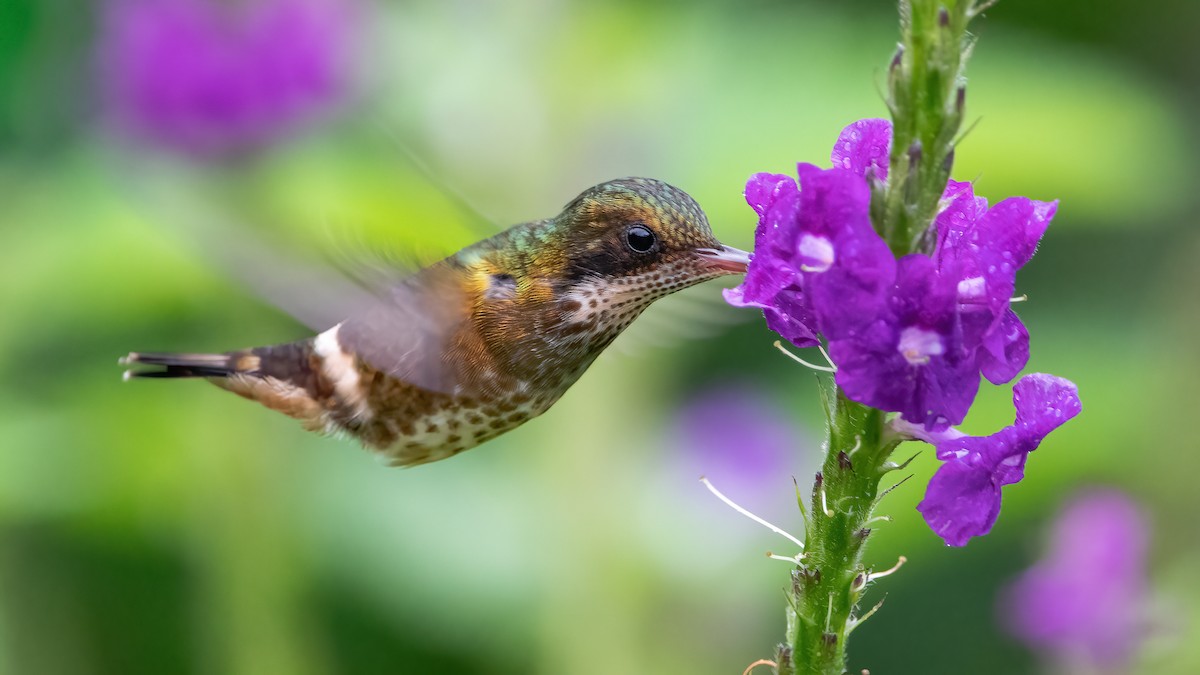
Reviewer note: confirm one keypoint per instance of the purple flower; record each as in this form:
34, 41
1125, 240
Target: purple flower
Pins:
864, 146
845, 267
909, 336
773, 281
1085, 601
217, 78
983, 248
963, 497
911, 359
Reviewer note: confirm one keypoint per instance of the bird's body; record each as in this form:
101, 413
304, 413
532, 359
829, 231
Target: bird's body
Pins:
476, 344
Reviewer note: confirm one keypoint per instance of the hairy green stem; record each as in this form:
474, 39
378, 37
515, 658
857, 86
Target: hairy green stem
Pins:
926, 96
827, 586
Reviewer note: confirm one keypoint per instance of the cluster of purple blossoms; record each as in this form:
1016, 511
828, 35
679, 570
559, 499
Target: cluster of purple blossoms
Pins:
216, 78
909, 335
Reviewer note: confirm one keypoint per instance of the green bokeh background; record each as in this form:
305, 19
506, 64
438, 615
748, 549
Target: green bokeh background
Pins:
157, 527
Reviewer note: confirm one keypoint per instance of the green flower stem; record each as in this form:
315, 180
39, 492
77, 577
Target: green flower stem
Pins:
827, 586
926, 96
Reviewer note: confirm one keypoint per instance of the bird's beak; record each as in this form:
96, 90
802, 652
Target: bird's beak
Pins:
727, 259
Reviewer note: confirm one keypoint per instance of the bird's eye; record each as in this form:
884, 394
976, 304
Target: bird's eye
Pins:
640, 238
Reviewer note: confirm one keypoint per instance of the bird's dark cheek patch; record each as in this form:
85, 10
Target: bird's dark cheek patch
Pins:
601, 263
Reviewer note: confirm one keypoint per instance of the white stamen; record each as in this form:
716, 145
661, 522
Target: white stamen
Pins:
794, 559
918, 345
729, 502
1020, 298
827, 359
891, 570
972, 288
818, 251
797, 359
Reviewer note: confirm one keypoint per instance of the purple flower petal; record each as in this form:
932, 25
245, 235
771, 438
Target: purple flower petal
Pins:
911, 361
984, 248
1044, 402
846, 267
1027, 219
963, 498
960, 210
772, 280
764, 189
785, 313
863, 146
1004, 351
962, 501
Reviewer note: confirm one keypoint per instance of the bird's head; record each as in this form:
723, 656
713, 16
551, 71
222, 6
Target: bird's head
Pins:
635, 240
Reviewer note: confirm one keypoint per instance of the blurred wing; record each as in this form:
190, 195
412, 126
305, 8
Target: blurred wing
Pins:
408, 331
396, 320
483, 224
693, 313
397, 323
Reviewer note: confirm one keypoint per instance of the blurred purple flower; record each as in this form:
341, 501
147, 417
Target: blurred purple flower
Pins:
734, 435
1085, 603
217, 78
963, 497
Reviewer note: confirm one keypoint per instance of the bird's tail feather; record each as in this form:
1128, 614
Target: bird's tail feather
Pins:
284, 377
186, 365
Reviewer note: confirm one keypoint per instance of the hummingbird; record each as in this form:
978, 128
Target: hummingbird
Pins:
475, 345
